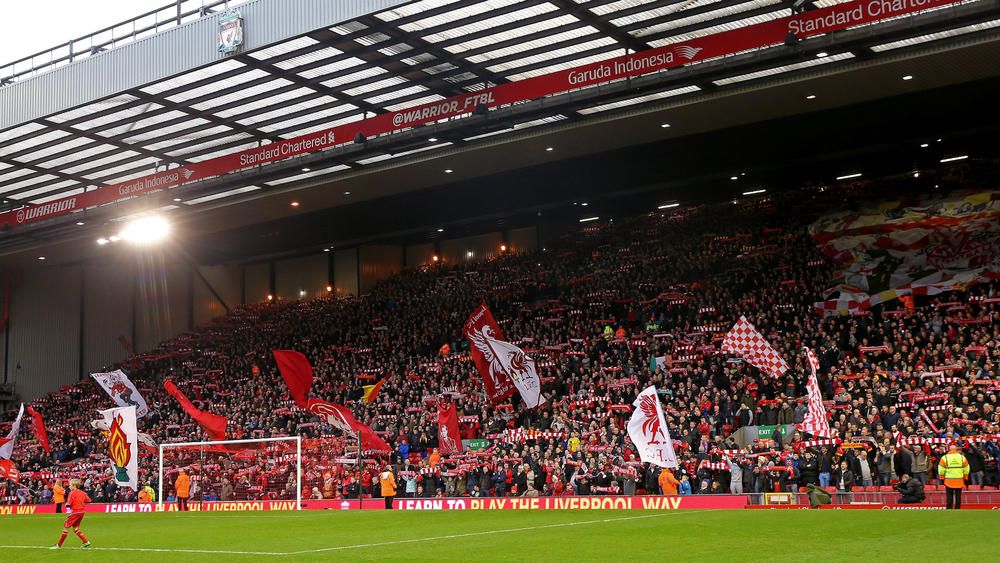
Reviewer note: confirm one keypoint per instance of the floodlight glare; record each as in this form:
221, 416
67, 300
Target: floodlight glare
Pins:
145, 230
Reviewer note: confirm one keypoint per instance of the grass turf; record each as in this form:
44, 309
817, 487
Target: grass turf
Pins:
747, 535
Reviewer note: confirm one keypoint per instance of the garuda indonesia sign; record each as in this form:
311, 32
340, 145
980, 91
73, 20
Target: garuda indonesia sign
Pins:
230, 31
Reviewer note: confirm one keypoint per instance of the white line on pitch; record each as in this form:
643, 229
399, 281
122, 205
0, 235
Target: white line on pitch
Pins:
485, 533
149, 550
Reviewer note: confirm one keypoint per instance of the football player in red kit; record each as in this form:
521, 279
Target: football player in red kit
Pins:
76, 501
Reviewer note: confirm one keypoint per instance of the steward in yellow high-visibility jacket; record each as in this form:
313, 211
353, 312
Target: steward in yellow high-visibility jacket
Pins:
954, 470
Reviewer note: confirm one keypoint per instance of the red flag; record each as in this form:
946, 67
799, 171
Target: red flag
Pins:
38, 425
504, 366
449, 439
496, 381
297, 373
8, 470
746, 342
214, 425
342, 418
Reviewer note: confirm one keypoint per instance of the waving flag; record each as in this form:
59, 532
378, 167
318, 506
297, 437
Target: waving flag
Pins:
297, 373
213, 424
503, 366
371, 391
38, 425
449, 439
7, 448
8, 470
744, 341
648, 430
815, 421
340, 417
123, 440
117, 385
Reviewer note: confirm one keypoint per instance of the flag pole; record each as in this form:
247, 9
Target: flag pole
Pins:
361, 491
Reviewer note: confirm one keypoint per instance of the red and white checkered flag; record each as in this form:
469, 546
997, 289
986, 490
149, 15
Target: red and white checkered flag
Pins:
744, 341
815, 421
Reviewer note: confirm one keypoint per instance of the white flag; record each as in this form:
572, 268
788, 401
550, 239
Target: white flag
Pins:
117, 385
101, 424
498, 359
648, 430
7, 447
123, 449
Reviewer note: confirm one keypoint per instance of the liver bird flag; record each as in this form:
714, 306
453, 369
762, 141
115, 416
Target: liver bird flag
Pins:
7, 444
503, 366
648, 430
123, 446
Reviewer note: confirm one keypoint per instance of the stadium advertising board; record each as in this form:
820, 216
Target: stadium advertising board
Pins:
766, 34
520, 503
577, 503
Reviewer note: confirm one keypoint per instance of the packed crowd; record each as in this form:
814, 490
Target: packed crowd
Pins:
610, 310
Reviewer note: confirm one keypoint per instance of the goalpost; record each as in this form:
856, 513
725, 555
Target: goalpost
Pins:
244, 468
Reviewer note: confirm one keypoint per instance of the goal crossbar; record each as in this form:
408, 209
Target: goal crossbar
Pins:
298, 461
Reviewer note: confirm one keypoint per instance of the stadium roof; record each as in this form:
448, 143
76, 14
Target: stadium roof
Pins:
410, 54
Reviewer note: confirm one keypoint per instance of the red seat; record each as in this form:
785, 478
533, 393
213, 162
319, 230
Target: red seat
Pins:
932, 487
831, 489
870, 489
975, 488
989, 487
886, 489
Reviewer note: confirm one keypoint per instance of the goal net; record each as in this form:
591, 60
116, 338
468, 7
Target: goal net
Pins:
265, 469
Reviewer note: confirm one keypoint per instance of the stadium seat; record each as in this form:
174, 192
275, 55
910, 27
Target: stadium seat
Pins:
975, 487
831, 489
870, 489
886, 489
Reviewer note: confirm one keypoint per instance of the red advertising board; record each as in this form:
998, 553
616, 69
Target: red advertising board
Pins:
877, 506
808, 24
521, 503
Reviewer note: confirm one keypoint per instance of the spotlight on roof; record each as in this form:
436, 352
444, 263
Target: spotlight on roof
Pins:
849, 176
668, 205
435, 258
954, 158
270, 297
589, 219
503, 247
754, 192
145, 230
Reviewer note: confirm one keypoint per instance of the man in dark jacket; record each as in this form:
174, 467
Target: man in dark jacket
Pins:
902, 461
911, 489
810, 469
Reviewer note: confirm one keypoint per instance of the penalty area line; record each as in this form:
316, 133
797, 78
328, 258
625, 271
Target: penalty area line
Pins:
483, 533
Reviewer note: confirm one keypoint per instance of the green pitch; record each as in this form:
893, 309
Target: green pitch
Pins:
784, 535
